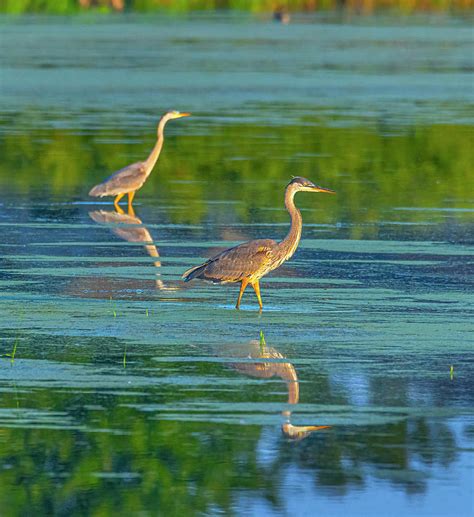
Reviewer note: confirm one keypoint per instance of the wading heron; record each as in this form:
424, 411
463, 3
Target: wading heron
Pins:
248, 262
132, 177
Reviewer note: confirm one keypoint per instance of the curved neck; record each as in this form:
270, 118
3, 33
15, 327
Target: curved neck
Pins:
291, 241
293, 385
155, 152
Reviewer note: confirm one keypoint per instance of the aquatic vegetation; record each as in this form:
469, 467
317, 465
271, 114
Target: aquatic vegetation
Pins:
12, 354
112, 304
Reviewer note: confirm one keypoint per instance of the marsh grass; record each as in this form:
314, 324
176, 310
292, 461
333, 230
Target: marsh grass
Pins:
13, 352
112, 304
263, 343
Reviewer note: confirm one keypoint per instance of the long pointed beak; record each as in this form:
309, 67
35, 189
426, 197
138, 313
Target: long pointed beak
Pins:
317, 188
184, 115
310, 428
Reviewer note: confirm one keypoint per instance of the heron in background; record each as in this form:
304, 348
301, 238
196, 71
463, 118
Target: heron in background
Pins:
250, 261
131, 178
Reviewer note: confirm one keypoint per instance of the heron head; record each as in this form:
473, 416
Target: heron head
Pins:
172, 114
299, 432
302, 184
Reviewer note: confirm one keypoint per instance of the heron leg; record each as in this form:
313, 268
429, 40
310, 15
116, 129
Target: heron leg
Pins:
131, 195
256, 288
243, 285
117, 199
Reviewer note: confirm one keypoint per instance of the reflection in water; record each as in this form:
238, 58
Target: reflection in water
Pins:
284, 370
130, 228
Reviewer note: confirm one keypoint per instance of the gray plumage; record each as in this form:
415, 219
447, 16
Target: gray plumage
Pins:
128, 179
235, 264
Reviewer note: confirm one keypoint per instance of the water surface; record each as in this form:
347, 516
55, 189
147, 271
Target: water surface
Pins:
132, 392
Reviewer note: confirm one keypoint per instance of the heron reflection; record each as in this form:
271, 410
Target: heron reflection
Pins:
270, 363
130, 228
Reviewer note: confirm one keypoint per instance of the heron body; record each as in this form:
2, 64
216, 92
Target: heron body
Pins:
132, 177
247, 263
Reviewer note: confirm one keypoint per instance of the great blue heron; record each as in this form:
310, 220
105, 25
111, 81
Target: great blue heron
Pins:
248, 262
269, 363
129, 179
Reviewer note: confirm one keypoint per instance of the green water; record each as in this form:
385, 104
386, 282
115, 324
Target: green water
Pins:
132, 393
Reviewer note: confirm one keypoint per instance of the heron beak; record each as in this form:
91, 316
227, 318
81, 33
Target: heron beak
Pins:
317, 188
184, 115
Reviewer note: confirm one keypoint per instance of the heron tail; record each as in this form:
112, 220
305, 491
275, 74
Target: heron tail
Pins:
97, 191
194, 272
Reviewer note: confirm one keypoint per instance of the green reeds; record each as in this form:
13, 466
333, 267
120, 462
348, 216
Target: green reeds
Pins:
112, 304
13, 352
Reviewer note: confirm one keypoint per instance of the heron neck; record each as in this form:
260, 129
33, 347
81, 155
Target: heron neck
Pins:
289, 375
155, 152
291, 241
293, 387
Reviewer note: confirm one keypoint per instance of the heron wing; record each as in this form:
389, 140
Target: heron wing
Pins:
237, 263
125, 180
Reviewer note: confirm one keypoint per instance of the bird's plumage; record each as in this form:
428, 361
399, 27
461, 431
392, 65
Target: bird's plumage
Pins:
128, 179
234, 264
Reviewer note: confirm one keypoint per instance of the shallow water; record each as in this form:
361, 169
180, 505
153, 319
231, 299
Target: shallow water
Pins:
132, 392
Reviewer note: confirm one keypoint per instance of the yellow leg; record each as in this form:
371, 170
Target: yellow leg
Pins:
116, 201
243, 285
256, 288
131, 195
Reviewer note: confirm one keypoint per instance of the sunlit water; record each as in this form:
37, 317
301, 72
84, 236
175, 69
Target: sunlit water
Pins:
125, 390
